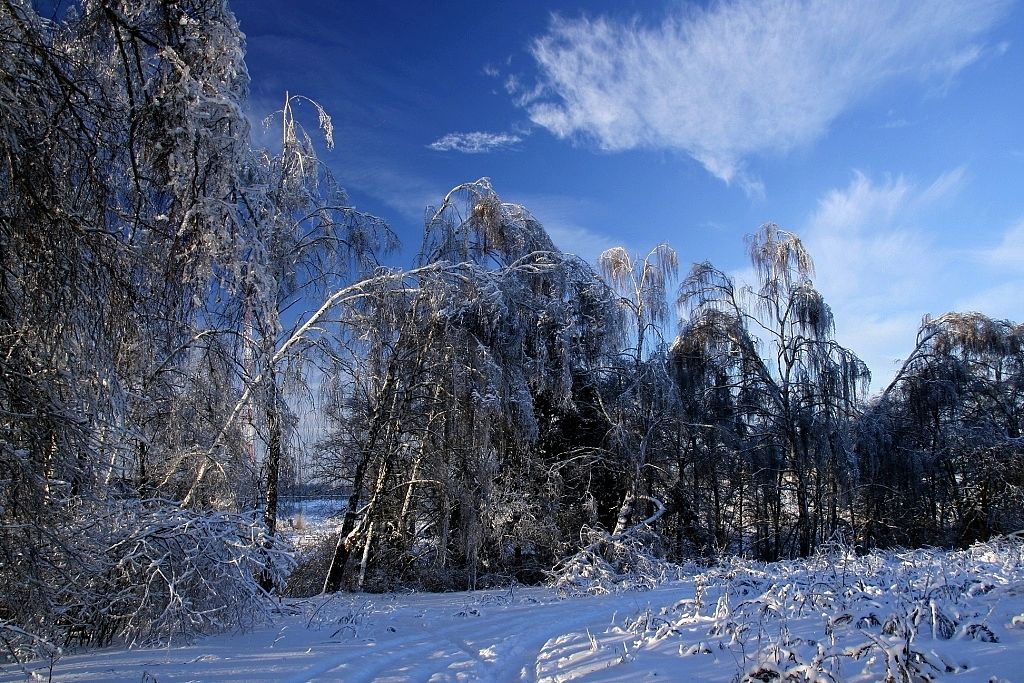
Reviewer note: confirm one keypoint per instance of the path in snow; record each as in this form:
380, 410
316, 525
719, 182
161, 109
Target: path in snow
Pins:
910, 615
530, 635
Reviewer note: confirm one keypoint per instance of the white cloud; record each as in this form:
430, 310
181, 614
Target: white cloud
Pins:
1001, 301
512, 85
1008, 255
744, 77
945, 186
477, 142
575, 239
406, 193
877, 266
882, 265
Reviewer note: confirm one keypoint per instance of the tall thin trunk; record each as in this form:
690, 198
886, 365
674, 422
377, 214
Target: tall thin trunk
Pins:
417, 461
403, 517
366, 557
336, 572
444, 534
274, 452
380, 422
349, 531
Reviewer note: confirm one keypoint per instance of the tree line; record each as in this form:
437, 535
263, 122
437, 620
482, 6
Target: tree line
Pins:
169, 290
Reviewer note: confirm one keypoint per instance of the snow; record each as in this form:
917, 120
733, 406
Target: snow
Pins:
316, 514
527, 633
916, 615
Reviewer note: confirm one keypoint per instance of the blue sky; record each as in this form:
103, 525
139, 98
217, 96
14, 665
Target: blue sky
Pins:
887, 134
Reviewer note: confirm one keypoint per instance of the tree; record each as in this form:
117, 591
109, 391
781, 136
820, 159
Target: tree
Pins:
642, 393
939, 450
797, 395
712, 463
121, 141
445, 407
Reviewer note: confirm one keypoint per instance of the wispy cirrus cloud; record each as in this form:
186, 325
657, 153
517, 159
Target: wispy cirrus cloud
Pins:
406, 193
1008, 255
744, 77
882, 263
477, 142
878, 265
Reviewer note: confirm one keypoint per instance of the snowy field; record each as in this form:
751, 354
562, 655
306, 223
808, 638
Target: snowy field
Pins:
913, 616
312, 511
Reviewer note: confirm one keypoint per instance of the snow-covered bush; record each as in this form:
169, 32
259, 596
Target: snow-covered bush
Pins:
610, 564
18, 645
886, 616
141, 571
175, 572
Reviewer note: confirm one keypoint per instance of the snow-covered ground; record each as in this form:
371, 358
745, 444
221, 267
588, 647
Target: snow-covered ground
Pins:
914, 616
311, 514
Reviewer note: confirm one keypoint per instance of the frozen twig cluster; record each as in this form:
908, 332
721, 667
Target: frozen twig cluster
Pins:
887, 615
615, 562
142, 572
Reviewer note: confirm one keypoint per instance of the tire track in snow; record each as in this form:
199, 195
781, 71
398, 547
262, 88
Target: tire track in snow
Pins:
505, 643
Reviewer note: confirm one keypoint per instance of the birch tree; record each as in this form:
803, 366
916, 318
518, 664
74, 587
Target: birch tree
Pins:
122, 138
638, 408
940, 449
458, 352
799, 388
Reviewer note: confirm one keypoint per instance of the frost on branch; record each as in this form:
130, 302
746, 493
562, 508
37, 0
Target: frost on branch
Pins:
473, 224
626, 560
609, 565
466, 357
143, 572
174, 572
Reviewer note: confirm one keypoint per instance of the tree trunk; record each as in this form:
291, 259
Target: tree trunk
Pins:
443, 536
366, 557
273, 475
803, 519
625, 513
336, 572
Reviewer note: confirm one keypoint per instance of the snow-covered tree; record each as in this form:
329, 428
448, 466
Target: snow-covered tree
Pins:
123, 141
940, 457
444, 409
796, 387
640, 395
301, 242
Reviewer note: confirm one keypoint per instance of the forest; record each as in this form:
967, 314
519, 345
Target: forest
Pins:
170, 291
